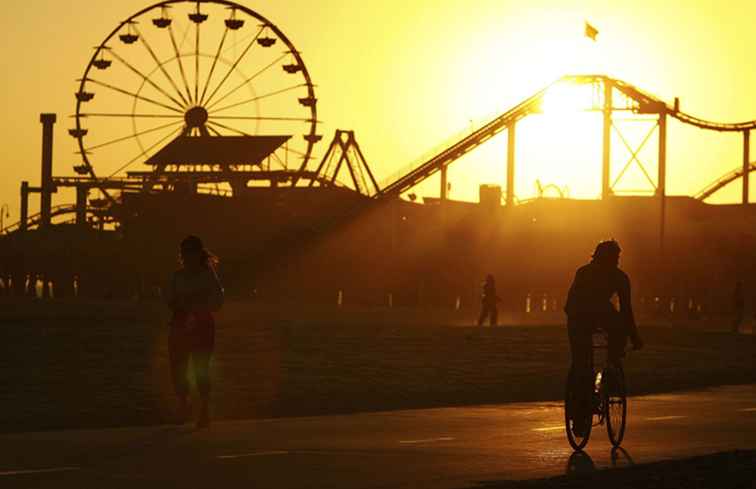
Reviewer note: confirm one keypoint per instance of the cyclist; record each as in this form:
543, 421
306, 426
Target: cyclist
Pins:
589, 307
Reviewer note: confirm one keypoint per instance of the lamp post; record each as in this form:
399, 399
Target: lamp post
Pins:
4, 212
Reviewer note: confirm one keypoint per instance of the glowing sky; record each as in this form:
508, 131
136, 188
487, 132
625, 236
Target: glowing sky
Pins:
408, 75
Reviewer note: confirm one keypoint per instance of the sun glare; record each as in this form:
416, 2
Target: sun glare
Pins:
555, 146
565, 99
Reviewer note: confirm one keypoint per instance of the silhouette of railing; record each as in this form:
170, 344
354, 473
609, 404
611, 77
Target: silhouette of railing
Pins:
59, 210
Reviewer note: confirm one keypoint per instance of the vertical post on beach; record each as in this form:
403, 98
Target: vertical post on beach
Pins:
606, 187
511, 136
746, 165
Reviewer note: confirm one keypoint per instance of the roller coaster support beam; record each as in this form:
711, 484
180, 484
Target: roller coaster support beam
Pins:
606, 186
45, 202
511, 139
24, 206
746, 164
444, 183
661, 183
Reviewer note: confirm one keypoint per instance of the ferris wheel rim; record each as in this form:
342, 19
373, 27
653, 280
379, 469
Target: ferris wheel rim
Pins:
310, 137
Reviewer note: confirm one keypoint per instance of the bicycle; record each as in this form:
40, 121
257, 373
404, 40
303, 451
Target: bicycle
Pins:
608, 399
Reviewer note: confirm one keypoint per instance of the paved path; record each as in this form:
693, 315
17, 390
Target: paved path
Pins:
434, 448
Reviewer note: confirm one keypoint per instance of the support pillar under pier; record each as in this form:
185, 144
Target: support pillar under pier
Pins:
82, 194
511, 140
661, 188
45, 203
606, 160
444, 183
24, 206
746, 165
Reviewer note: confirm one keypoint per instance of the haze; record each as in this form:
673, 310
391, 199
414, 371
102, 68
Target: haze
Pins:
407, 83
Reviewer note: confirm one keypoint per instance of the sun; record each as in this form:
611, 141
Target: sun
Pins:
564, 99
560, 145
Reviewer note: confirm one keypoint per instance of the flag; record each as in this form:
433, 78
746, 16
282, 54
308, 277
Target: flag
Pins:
590, 31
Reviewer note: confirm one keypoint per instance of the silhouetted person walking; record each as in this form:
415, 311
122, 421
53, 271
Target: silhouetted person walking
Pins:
489, 302
193, 295
588, 308
738, 302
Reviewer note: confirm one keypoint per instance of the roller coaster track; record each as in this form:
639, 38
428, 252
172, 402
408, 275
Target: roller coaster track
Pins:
428, 167
723, 181
643, 102
649, 100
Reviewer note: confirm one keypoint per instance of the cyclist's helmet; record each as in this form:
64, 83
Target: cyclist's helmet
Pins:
606, 249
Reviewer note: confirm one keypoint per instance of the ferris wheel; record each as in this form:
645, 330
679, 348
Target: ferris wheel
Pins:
183, 68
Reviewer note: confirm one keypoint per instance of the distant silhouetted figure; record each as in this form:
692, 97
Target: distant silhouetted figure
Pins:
193, 294
738, 303
489, 302
588, 308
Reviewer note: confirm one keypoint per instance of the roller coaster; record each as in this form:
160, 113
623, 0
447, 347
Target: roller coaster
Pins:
635, 100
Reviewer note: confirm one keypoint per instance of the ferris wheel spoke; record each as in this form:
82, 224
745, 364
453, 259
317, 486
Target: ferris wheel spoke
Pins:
259, 97
144, 152
212, 68
279, 160
131, 136
180, 63
196, 61
146, 79
161, 66
260, 118
298, 153
260, 72
135, 95
228, 128
235, 64
237, 43
129, 116
213, 130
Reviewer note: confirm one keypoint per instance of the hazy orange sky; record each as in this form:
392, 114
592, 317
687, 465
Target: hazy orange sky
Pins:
407, 75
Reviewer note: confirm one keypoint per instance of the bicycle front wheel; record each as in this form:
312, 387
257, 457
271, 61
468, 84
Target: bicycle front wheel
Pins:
615, 404
577, 435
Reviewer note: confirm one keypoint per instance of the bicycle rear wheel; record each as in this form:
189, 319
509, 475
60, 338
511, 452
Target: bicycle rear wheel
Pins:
615, 404
578, 441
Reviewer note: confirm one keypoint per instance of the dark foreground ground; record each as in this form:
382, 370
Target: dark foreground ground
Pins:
472, 447
728, 470
69, 366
